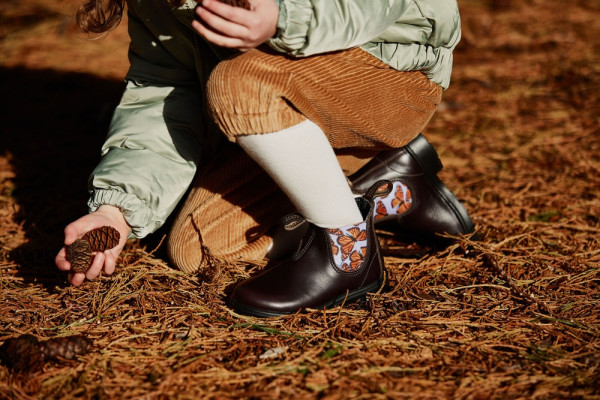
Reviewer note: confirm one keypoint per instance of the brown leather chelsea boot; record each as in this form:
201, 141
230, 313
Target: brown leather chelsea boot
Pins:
329, 267
409, 199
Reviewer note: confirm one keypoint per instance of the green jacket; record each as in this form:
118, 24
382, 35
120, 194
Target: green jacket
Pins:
160, 131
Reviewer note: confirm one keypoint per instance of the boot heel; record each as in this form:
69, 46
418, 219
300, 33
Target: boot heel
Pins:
425, 155
427, 158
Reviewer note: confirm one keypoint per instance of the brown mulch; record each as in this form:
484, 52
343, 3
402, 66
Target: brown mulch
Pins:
513, 314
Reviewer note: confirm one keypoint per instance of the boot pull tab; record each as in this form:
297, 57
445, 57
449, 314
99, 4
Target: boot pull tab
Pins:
379, 189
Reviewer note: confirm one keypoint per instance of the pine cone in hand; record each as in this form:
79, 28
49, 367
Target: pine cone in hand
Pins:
103, 238
26, 354
237, 3
79, 253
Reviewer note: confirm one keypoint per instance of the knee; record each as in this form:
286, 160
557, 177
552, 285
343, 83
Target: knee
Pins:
232, 77
224, 76
249, 94
252, 75
184, 246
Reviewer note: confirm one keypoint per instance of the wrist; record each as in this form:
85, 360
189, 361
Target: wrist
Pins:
281, 17
116, 216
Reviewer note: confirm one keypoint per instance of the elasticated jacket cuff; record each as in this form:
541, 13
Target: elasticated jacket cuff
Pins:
137, 213
292, 27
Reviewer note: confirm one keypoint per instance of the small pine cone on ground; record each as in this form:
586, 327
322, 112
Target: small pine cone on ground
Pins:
26, 354
65, 347
22, 354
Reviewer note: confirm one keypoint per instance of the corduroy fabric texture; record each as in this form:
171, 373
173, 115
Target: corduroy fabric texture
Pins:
231, 211
356, 99
361, 104
228, 213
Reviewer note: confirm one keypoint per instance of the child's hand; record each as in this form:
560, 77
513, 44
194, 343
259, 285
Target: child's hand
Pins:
105, 215
236, 27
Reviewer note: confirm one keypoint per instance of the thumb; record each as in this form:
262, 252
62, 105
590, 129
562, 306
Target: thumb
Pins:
71, 233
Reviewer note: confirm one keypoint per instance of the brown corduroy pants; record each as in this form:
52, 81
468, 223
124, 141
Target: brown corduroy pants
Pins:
360, 103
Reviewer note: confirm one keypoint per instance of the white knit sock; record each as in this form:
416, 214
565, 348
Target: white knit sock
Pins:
301, 161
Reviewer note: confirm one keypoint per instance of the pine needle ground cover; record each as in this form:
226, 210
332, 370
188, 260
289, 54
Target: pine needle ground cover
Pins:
513, 313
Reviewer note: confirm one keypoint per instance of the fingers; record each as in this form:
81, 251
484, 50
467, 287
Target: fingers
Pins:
102, 262
76, 279
236, 27
75, 229
110, 262
219, 29
106, 261
61, 260
224, 19
216, 38
97, 264
226, 11
72, 232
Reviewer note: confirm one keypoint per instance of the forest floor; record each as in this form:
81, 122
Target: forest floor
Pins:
514, 314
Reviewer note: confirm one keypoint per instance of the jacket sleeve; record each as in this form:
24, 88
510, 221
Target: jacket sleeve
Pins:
150, 155
155, 138
308, 27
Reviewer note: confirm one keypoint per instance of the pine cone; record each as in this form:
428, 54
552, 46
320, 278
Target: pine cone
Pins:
103, 238
237, 3
22, 353
26, 354
79, 255
65, 347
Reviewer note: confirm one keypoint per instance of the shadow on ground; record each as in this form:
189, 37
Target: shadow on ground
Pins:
53, 124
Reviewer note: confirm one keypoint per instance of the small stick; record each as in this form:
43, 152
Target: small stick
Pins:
490, 261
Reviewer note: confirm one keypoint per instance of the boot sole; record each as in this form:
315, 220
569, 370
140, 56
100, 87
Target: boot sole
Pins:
341, 299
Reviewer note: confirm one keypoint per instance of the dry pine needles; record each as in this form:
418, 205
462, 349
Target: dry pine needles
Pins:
512, 315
